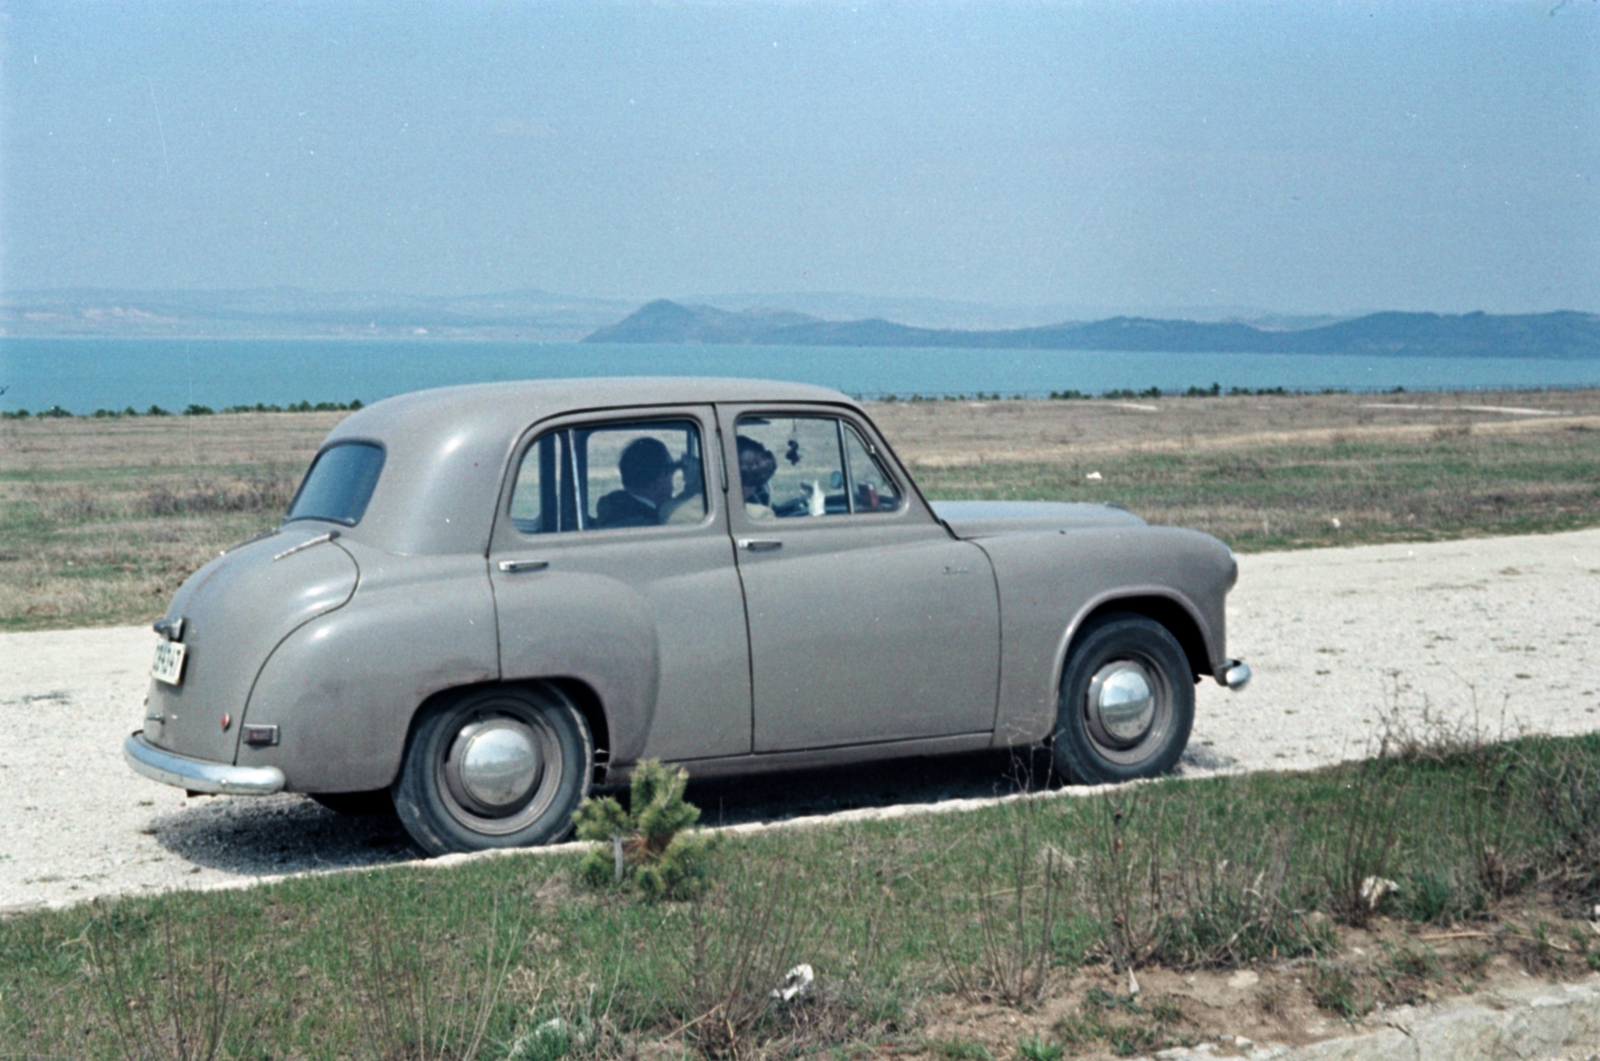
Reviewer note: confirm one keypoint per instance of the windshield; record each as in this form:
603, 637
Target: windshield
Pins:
339, 484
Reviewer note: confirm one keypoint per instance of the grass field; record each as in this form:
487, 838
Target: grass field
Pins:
1008, 932
101, 519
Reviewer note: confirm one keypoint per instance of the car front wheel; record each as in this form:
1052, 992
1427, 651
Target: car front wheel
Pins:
1126, 704
502, 767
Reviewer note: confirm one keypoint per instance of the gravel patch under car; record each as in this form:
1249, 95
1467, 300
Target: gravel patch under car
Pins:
1504, 628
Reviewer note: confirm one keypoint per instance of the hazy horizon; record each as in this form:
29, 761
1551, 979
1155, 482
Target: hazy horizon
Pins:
1150, 159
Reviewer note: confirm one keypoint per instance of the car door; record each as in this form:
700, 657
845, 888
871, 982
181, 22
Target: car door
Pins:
603, 574
868, 621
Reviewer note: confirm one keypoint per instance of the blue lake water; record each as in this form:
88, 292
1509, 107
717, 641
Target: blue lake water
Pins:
82, 375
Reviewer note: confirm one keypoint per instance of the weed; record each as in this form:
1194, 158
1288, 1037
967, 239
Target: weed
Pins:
961, 1050
187, 1008
420, 996
1016, 921
1361, 856
1121, 1022
1124, 875
742, 939
550, 1040
1038, 1048
1272, 1000
1565, 787
1221, 897
1333, 990
1228, 895
1406, 971
1428, 896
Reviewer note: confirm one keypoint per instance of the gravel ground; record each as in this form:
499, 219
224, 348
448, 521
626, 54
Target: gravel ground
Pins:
1503, 631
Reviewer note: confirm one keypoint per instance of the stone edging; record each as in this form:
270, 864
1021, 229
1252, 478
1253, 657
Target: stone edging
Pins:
1540, 1022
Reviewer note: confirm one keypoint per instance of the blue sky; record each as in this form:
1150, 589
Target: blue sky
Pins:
1291, 157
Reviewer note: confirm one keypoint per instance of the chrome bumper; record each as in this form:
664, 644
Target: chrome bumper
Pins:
199, 775
1234, 675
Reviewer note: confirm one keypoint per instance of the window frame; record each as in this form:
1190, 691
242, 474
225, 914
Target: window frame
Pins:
877, 462
704, 423
910, 511
383, 462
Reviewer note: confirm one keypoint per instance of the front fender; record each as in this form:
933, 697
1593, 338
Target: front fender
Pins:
1050, 583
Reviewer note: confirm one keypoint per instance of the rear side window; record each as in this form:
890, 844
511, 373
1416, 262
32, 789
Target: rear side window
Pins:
339, 484
609, 476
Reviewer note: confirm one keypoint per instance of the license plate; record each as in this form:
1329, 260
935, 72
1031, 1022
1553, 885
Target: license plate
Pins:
168, 666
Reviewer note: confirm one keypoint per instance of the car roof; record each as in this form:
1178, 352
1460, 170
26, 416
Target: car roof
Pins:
533, 399
445, 449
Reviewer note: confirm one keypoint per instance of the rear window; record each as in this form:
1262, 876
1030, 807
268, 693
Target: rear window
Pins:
339, 484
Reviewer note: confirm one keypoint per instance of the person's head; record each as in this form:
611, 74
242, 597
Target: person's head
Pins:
756, 465
647, 469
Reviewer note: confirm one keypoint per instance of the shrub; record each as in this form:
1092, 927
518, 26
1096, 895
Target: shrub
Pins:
648, 844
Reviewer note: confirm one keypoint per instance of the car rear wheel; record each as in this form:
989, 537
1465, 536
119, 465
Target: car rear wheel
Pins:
502, 767
1126, 704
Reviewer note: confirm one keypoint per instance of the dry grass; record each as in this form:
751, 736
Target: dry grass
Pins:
1117, 924
1277, 472
100, 520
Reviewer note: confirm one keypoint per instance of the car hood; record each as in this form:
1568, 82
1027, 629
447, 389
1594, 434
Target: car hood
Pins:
235, 611
985, 519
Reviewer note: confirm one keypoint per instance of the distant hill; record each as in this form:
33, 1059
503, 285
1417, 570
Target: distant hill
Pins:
1563, 334
287, 312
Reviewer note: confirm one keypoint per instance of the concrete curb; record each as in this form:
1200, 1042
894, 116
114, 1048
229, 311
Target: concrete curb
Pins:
1558, 1022
571, 847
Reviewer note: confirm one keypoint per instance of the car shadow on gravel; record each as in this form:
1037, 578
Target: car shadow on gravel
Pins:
897, 782
256, 836
268, 835
291, 834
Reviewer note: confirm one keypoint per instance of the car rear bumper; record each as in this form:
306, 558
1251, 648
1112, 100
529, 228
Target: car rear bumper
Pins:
199, 775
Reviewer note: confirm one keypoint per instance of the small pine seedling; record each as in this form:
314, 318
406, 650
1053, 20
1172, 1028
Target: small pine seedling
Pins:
646, 845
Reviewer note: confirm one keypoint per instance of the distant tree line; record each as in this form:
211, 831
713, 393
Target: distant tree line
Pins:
57, 412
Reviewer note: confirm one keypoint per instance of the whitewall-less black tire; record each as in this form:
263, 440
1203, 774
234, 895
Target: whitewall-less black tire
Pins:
1126, 703
498, 767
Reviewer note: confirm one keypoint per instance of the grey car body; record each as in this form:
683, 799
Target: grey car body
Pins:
317, 655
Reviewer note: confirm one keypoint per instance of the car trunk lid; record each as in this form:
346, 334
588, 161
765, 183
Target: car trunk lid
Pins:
235, 610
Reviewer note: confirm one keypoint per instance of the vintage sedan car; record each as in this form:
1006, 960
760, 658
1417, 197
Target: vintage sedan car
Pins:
486, 599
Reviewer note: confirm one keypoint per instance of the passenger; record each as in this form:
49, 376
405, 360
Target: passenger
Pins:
756, 468
646, 498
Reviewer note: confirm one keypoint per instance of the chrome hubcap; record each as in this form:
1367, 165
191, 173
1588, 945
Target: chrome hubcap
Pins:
501, 771
500, 762
1121, 704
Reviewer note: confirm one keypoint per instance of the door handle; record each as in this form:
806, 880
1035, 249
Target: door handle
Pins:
513, 566
760, 545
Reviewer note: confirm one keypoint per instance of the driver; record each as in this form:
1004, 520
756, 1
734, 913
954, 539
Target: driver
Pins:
646, 498
756, 468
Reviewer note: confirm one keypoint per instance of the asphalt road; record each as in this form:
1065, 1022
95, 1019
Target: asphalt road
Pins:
1501, 633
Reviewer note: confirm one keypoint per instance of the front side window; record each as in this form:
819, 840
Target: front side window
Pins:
339, 484
790, 466
794, 466
871, 489
611, 476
